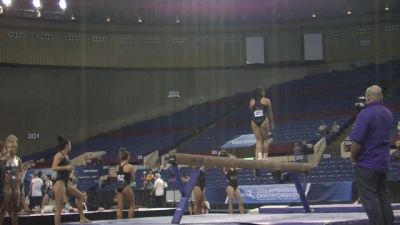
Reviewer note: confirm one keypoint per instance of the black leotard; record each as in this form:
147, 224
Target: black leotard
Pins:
232, 178
63, 174
201, 181
259, 113
123, 178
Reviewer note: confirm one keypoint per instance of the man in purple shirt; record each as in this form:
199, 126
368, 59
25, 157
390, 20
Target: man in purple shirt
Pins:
370, 156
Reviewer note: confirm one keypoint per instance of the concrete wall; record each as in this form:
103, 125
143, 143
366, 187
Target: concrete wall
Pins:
48, 43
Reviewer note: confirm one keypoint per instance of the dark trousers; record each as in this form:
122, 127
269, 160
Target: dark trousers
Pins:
35, 201
159, 201
374, 195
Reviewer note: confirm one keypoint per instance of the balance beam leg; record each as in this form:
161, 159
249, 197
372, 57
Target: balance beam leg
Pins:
183, 203
300, 191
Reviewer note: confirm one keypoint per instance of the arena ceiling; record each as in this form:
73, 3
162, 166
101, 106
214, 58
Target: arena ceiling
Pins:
196, 11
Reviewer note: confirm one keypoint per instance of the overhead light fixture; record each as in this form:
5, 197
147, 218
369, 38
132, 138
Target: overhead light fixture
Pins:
37, 4
177, 20
140, 19
72, 17
108, 19
7, 2
62, 4
314, 15
387, 8
348, 12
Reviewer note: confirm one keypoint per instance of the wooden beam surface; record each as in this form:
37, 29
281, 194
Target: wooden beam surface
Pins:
214, 161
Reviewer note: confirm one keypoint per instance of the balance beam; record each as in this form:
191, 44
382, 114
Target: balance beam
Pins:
214, 161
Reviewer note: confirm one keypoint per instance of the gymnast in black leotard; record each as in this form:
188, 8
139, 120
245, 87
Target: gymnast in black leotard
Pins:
198, 192
262, 122
124, 191
62, 165
232, 190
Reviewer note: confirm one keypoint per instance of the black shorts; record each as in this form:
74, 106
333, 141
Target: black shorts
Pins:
35, 201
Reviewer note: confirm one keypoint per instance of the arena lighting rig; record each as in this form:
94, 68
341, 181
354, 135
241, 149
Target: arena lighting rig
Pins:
37, 4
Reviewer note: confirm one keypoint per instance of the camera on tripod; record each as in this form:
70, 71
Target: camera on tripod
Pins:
360, 103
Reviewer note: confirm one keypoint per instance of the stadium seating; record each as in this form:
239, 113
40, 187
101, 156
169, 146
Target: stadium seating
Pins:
299, 107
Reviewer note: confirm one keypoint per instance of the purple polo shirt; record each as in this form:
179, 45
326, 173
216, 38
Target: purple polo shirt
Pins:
372, 130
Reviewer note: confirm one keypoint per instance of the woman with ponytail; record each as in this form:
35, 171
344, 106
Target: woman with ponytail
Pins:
63, 167
125, 176
262, 122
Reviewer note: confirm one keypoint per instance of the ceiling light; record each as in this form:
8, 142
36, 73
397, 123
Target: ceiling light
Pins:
108, 19
348, 12
62, 4
387, 8
177, 20
140, 19
72, 17
7, 2
37, 4
314, 15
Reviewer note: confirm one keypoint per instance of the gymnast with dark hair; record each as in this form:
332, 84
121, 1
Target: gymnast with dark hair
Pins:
125, 175
262, 122
198, 192
63, 167
232, 190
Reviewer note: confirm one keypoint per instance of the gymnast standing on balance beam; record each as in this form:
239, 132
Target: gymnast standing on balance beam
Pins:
262, 122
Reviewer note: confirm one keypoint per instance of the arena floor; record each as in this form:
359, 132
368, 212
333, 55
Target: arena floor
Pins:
275, 219
344, 214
